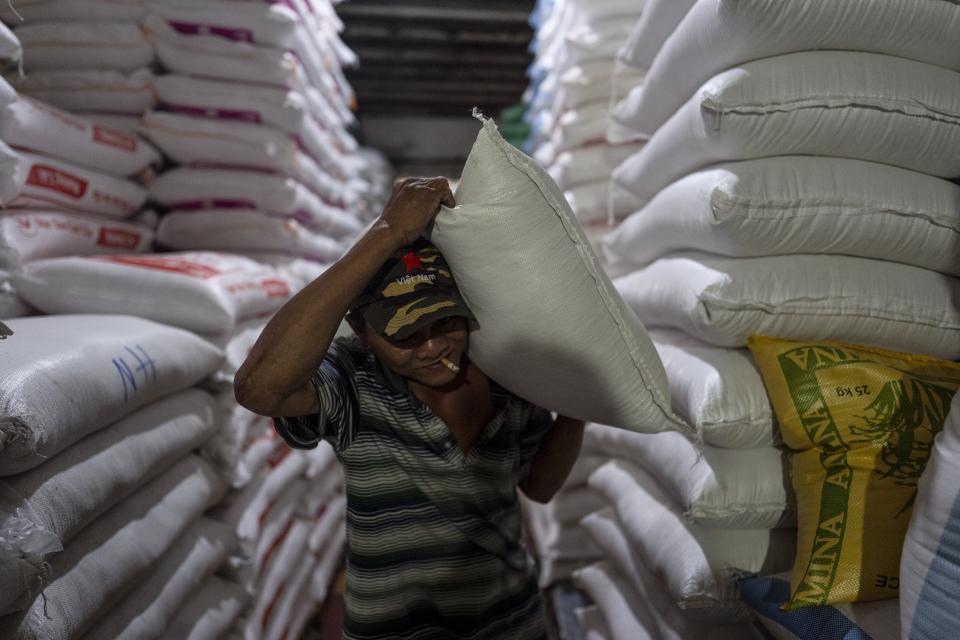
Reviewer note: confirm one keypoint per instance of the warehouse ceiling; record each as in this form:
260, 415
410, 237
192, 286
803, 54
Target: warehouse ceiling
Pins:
437, 57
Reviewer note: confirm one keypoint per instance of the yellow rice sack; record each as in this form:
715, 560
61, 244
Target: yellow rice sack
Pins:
861, 422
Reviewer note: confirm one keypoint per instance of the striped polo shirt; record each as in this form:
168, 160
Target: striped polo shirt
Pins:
433, 532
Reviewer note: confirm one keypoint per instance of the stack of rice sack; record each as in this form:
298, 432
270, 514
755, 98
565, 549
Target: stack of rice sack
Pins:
828, 219
253, 108
88, 57
69, 189
102, 500
569, 100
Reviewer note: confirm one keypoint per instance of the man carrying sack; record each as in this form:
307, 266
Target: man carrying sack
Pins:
432, 449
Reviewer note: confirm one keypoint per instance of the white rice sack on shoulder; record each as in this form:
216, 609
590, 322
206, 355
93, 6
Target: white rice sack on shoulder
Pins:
528, 273
724, 301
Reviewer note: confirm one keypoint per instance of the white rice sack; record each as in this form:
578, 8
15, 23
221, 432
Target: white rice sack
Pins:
241, 432
116, 46
590, 84
670, 622
243, 230
331, 557
240, 145
11, 304
236, 344
282, 569
211, 56
714, 487
824, 103
10, 48
548, 282
578, 127
568, 505
36, 126
301, 271
694, 563
145, 612
208, 613
553, 540
125, 123
658, 20
799, 204
723, 301
189, 189
73, 10
33, 181
201, 291
720, 34
114, 552
718, 391
627, 615
90, 89
54, 389
27, 235
593, 202
261, 23
595, 41
73, 488
273, 106
930, 564
589, 164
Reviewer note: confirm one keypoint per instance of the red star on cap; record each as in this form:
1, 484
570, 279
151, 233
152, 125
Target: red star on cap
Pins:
412, 261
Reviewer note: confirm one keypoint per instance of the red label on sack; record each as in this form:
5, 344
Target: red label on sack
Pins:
164, 263
114, 138
47, 177
276, 288
118, 238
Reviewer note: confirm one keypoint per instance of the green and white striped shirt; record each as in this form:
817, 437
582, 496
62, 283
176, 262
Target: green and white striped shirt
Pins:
433, 532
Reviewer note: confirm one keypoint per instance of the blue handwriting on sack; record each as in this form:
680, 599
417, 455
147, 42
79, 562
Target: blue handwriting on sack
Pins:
141, 373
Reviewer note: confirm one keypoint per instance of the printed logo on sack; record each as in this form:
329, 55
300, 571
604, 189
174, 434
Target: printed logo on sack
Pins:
163, 263
114, 138
118, 238
275, 288
47, 177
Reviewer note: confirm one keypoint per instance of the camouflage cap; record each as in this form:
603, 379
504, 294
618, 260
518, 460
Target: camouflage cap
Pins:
412, 289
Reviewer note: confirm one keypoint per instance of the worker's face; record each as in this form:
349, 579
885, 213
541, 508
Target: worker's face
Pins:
418, 358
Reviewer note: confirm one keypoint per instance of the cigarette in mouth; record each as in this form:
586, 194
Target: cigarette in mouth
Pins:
450, 365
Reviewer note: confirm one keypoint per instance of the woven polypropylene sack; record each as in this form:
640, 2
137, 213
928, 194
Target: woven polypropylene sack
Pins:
190, 189
115, 46
714, 487
105, 561
861, 423
211, 56
767, 595
843, 104
670, 622
40, 127
592, 624
208, 613
146, 610
723, 301
627, 615
589, 164
262, 23
27, 235
90, 90
31, 11
717, 391
11, 304
70, 490
719, 34
658, 20
693, 563
593, 202
55, 389
930, 564
240, 230
39, 181
202, 291
534, 284
797, 204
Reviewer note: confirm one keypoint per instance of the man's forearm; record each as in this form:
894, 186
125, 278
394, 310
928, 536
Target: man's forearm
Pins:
552, 463
297, 338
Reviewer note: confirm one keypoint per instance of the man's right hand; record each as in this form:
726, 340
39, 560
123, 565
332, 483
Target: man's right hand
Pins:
413, 205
